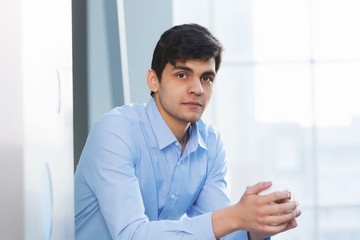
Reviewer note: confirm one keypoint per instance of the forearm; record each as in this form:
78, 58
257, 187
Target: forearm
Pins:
223, 222
198, 227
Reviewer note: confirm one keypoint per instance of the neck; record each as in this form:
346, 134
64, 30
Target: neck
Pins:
184, 140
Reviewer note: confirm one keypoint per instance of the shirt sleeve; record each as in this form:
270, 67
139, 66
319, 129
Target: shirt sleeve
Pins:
108, 166
213, 195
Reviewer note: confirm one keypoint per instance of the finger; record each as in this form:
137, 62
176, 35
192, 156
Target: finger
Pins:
284, 200
291, 224
255, 189
282, 208
280, 219
275, 228
276, 196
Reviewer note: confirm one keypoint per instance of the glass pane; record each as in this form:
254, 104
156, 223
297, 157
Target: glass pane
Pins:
339, 224
337, 89
337, 98
335, 29
339, 168
283, 93
232, 21
182, 13
234, 107
281, 30
304, 231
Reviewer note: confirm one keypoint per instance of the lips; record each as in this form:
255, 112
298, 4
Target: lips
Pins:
192, 104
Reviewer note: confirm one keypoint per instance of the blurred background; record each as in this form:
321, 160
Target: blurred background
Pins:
286, 100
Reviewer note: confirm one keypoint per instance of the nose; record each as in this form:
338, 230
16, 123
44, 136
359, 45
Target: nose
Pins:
196, 87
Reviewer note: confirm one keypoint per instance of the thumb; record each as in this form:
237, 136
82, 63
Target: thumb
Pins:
255, 189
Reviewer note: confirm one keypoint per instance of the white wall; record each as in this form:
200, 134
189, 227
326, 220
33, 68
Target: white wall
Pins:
36, 130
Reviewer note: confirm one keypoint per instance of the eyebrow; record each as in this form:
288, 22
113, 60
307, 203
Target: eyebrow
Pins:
209, 73
192, 71
183, 68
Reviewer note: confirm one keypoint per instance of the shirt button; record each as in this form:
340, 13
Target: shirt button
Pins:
176, 144
179, 163
173, 196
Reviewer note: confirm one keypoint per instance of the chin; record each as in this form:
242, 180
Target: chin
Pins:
193, 118
190, 116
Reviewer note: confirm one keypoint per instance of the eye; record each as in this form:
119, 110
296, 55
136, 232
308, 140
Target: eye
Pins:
207, 79
181, 75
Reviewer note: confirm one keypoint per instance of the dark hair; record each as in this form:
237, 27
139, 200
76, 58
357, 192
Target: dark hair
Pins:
184, 42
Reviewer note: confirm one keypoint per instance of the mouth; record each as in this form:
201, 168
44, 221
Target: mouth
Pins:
193, 104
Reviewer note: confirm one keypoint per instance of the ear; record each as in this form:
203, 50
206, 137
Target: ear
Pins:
152, 80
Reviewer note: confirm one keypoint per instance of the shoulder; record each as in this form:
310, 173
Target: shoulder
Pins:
213, 141
122, 125
211, 137
208, 132
121, 118
116, 132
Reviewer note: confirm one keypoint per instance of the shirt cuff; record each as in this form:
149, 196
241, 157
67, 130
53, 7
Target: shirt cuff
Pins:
244, 235
203, 226
268, 238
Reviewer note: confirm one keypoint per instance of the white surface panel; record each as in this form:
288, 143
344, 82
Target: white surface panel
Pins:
47, 91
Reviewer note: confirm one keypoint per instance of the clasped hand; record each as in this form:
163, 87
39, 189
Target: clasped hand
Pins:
267, 215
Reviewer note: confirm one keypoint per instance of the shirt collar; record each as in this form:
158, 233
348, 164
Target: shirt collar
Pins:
195, 137
162, 132
164, 135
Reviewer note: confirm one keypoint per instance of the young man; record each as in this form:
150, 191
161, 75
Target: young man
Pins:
145, 166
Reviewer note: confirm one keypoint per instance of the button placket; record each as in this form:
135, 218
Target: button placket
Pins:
174, 189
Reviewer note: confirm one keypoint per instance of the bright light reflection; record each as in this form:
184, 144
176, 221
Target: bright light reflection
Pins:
283, 94
335, 29
281, 30
337, 98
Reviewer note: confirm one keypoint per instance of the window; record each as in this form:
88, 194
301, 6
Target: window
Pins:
292, 71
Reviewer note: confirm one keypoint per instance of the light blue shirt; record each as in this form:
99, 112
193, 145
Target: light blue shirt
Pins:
133, 183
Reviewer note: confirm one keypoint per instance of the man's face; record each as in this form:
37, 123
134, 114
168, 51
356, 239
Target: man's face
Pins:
185, 90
